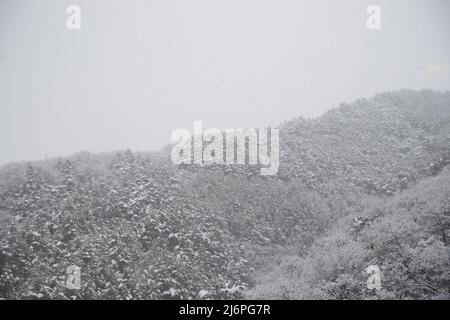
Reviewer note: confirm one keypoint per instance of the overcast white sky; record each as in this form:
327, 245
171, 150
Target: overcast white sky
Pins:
137, 70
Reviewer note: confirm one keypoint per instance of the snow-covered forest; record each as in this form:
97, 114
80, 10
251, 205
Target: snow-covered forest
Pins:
367, 183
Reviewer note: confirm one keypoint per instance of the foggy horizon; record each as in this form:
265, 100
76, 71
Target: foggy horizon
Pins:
235, 153
135, 72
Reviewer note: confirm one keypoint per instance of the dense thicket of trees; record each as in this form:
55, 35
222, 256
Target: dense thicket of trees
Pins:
407, 236
364, 184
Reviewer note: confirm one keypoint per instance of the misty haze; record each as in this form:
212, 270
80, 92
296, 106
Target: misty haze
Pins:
98, 201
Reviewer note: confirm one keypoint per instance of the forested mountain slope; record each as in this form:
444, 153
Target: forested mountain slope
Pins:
140, 227
408, 237
383, 144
